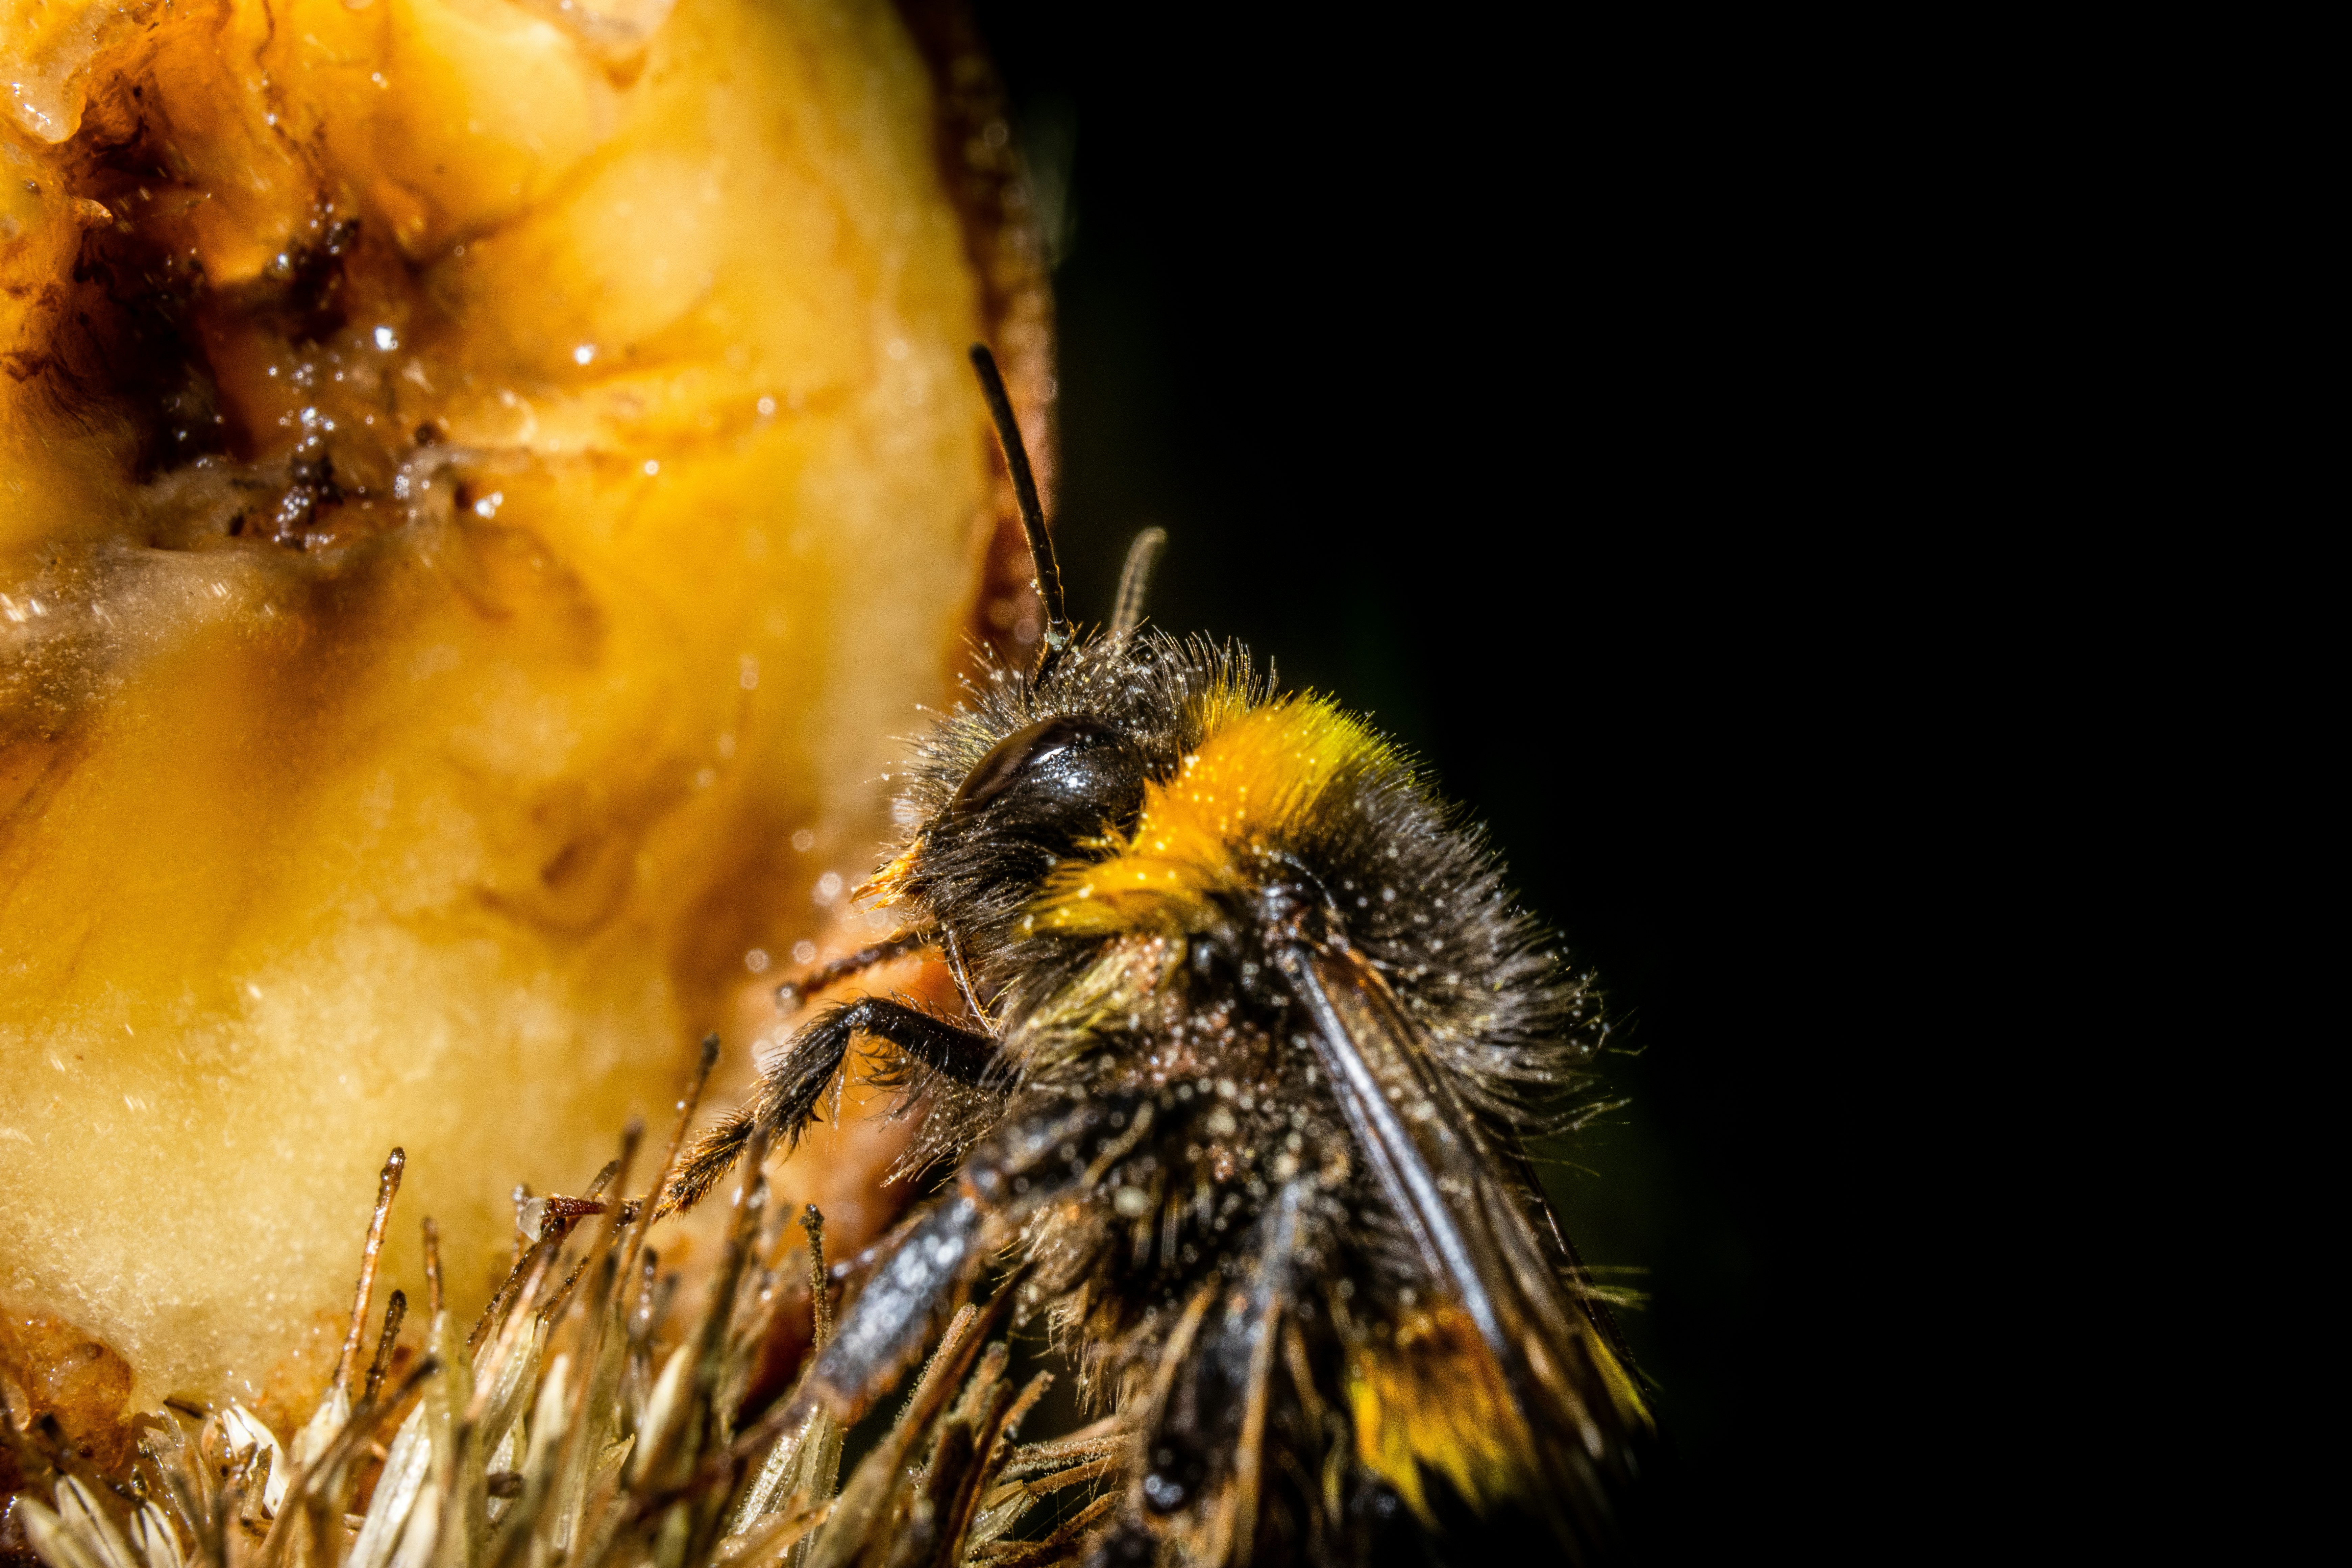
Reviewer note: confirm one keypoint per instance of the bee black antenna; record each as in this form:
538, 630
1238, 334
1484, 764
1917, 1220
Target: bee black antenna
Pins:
1033, 512
1133, 579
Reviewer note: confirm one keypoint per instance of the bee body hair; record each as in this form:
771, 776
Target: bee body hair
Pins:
1138, 857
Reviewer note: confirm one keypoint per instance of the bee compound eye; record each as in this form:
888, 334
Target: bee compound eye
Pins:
1066, 766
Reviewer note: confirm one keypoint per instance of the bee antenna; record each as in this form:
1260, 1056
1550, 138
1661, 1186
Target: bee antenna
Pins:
1133, 578
1033, 512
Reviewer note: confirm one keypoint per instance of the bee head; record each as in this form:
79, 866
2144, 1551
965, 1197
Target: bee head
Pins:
1049, 785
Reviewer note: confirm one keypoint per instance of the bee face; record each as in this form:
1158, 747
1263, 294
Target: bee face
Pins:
1030, 774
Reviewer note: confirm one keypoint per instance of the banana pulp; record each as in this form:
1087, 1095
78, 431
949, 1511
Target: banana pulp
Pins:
482, 482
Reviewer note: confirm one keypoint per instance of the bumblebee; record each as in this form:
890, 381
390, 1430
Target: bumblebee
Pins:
1252, 1036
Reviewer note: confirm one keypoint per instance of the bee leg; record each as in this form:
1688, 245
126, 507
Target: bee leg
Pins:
793, 992
910, 1293
921, 1274
921, 1269
786, 1101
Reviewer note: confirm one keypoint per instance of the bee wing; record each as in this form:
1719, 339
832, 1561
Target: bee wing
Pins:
1473, 1233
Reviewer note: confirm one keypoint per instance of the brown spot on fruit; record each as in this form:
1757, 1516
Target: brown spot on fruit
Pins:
51, 1367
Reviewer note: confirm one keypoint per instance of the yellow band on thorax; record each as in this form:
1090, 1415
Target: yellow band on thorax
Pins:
1257, 782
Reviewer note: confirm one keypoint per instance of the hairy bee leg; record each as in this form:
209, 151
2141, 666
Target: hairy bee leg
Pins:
919, 1271
911, 1294
786, 1099
793, 992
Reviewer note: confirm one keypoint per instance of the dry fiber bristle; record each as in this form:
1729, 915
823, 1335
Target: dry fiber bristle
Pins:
572, 1426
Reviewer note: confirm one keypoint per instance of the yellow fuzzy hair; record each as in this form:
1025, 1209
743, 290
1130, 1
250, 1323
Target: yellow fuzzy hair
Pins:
1435, 1397
1256, 782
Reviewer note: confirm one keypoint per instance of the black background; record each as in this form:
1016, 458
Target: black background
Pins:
1497, 377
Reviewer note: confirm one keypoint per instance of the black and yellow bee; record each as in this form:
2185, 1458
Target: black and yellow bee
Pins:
1253, 1035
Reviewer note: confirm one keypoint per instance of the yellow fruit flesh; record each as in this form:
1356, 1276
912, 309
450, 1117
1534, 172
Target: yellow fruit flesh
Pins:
358, 792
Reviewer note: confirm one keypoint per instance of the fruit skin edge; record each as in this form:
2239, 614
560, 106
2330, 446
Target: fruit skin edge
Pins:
261, 655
